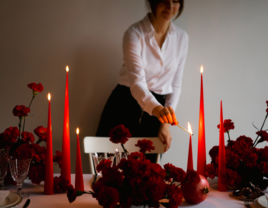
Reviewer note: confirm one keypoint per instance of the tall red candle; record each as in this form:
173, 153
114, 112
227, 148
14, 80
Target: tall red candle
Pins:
190, 165
66, 163
222, 186
49, 180
79, 181
201, 153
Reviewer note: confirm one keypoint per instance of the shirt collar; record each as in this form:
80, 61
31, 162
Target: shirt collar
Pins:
150, 29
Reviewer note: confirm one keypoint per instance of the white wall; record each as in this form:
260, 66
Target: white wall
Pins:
38, 38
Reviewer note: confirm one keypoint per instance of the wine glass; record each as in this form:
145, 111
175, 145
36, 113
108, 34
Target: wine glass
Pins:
3, 166
97, 159
120, 154
19, 171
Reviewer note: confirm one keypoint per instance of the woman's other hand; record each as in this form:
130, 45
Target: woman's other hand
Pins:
165, 135
165, 115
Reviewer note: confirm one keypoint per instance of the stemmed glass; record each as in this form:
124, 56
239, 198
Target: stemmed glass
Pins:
3, 166
120, 154
19, 171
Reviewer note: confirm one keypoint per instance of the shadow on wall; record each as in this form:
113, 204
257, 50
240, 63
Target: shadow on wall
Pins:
95, 76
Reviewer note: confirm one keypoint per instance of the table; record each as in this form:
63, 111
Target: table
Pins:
215, 198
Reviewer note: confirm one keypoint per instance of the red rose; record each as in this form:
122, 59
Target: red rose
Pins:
27, 137
21, 110
249, 157
36, 87
227, 125
58, 158
214, 152
145, 145
174, 195
263, 135
41, 132
211, 171
232, 159
37, 173
119, 134
192, 177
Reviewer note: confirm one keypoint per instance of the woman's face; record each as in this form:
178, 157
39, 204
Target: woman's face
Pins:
166, 9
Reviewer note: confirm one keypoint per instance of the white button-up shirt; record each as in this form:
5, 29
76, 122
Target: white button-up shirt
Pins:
148, 68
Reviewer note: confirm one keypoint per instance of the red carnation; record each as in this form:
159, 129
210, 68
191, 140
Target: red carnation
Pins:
242, 143
214, 152
157, 171
71, 193
108, 197
232, 159
263, 167
21, 110
263, 135
37, 173
41, 132
23, 152
230, 177
27, 137
177, 174
119, 134
58, 158
211, 171
104, 166
9, 137
136, 156
192, 177
60, 184
145, 145
227, 125
249, 157
36, 87
174, 195
38, 152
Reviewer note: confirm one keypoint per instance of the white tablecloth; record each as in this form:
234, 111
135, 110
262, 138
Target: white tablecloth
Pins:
39, 200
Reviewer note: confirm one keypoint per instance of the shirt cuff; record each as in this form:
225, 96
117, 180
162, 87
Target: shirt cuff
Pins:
150, 105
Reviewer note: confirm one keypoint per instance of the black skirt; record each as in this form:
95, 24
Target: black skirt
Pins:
122, 108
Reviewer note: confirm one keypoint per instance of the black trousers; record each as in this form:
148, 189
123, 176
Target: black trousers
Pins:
122, 108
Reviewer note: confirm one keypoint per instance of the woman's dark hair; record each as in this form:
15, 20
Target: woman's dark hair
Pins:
153, 3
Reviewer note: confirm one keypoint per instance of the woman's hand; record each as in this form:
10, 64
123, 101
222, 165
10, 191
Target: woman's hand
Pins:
165, 115
165, 135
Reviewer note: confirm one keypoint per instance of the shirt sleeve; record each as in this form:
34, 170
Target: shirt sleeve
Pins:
132, 49
173, 98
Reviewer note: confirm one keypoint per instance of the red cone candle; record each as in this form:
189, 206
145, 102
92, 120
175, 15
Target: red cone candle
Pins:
66, 163
190, 152
79, 182
222, 186
48, 186
201, 153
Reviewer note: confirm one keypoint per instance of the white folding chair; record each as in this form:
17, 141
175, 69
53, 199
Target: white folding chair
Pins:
104, 145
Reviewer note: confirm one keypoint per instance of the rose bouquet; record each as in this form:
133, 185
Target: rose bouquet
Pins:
137, 181
245, 163
22, 145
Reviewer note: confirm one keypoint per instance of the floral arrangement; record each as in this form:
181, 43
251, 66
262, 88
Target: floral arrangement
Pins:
22, 145
245, 163
136, 180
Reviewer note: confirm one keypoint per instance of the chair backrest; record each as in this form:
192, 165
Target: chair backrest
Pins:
104, 145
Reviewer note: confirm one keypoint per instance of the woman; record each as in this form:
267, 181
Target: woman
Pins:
150, 79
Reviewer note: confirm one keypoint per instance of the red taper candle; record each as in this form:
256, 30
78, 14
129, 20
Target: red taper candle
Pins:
190, 165
222, 186
201, 153
79, 181
49, 180
66, 163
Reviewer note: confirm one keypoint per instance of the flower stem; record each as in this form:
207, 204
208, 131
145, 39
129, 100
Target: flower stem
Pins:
260, 130
228, 136
126, 152
24, 120
19, 125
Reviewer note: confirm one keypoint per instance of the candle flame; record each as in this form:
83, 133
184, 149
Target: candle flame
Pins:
48, 96
77, 131
116, 150
189, 128
67, 68
201, 69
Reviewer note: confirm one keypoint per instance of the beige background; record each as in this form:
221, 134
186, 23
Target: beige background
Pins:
38, 38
